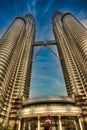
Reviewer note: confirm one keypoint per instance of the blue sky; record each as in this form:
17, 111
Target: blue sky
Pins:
43, 11
47, 78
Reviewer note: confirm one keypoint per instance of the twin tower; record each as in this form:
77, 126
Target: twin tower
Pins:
16, 51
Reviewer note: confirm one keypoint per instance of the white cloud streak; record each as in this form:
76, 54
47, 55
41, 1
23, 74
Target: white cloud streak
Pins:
84, 22
45, 80
82, 15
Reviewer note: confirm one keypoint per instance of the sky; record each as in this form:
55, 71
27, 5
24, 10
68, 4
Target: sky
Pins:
47, 77
43, 64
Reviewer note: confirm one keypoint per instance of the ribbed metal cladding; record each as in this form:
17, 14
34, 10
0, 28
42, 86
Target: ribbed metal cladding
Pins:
7, 45
78, 32
71, 41
15, 65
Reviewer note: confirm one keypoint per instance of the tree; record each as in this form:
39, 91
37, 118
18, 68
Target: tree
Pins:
6, 127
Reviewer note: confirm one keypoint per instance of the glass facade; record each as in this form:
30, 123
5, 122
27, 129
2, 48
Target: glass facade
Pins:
67, 123
64, 114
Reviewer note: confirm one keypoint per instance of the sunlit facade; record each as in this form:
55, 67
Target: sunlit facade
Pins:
15, 64
71, 39
16, 54
62, 109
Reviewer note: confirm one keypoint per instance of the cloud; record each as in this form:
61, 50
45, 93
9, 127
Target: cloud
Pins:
6, 26
34, 3
46, 75
29, 8
54, 88
84, 22
47, 7
45, 33
2, 31
82, 15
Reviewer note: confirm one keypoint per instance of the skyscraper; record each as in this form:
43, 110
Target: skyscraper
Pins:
71, 39
15, 64
16, 52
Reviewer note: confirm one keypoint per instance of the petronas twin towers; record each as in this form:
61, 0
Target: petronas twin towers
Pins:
16, 51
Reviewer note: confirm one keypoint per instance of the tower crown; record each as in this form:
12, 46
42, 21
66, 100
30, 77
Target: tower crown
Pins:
57, 14
29, 18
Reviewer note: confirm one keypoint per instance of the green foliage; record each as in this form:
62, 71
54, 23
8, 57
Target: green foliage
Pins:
1, 126
6, 127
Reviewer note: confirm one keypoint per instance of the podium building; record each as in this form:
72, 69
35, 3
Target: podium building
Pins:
16, 51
